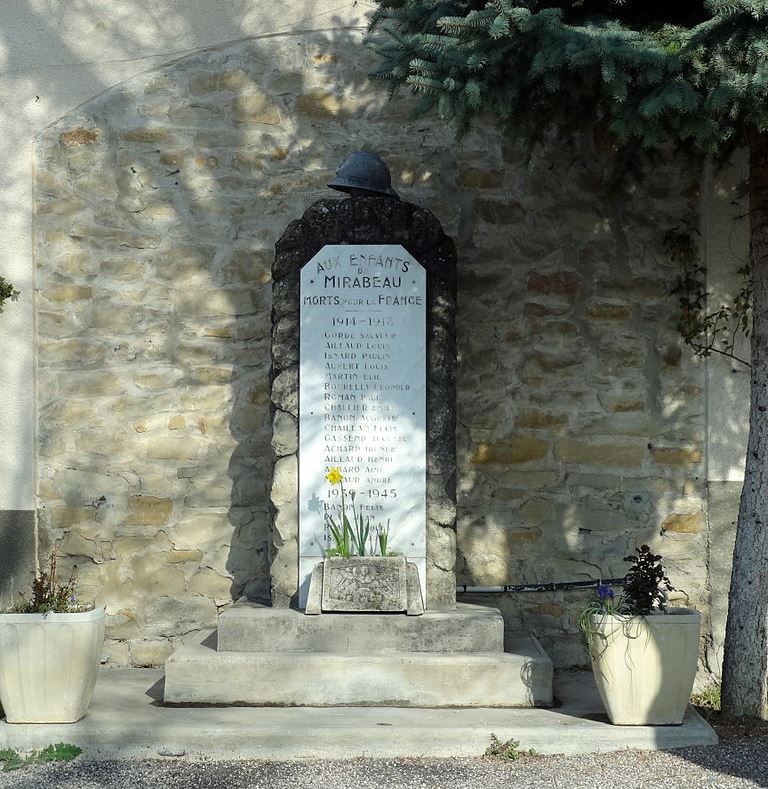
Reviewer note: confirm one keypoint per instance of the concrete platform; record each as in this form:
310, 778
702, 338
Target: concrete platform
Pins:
251, 627
522, 677
126, 720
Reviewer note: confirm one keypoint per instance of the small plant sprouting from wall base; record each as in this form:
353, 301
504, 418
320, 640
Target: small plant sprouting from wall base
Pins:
7, 292
708, 699
705, 330
509, 750
11, 759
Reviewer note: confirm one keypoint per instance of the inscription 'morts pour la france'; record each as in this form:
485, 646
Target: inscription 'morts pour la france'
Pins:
362, 396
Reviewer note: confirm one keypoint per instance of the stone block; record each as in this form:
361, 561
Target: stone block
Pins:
540, 420
518, 449
197, 673
68, 515
176, 557
210, 584
684, 523
147, 135
204, 531
322, 105
211, 376
285, 482
499, 212
171, 449
285, 434
676, 456
480, 178
79, 136
234, 80
75, 544
255, 107
609, 312
65, 294
149, 510
251, 627
560, 283
571, 450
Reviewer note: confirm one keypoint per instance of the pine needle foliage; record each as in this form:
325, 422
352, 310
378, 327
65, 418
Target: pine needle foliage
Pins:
690, 71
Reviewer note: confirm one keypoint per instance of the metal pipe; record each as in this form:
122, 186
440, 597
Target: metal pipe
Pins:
547, 587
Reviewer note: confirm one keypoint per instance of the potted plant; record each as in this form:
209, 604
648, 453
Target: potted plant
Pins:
359, 573
50, 650
644, 654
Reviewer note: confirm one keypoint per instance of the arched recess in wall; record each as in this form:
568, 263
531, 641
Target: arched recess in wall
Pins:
157, 207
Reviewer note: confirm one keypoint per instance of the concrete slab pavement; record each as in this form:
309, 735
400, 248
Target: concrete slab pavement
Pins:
127, 720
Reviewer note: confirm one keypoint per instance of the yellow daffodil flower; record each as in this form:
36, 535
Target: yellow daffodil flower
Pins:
334, 475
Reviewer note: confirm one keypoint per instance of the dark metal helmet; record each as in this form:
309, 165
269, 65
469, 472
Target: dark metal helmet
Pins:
364, 173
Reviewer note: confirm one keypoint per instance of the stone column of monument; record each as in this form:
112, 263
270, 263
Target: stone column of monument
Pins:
366, 220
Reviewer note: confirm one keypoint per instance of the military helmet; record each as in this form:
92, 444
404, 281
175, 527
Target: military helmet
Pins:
364, 173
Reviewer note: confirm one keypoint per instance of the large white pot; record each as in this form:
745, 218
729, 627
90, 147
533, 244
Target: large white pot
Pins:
48, 665
644, 666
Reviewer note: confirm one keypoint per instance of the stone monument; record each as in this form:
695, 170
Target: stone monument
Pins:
364, 302
363, 388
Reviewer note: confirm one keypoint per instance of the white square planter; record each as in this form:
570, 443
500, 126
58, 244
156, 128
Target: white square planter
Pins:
644, 666
48, 665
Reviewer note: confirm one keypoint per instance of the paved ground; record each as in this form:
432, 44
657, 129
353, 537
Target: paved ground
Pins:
733, 764
127, 721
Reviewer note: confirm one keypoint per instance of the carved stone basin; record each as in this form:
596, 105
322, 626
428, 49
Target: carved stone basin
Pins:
360, 584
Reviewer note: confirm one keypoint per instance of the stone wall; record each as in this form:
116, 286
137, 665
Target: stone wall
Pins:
581, 414
158, 204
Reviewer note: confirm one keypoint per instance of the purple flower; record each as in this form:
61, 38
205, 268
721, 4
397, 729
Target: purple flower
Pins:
605, 593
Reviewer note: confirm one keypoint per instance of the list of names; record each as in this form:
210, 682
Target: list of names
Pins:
362, 396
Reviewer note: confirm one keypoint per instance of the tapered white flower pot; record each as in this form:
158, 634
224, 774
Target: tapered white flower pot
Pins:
48, 665
644, 666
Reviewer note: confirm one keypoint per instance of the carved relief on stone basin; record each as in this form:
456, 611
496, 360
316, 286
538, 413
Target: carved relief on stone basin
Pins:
365, 584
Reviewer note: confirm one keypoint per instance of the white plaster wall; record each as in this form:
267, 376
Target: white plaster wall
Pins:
725, 235
55, 54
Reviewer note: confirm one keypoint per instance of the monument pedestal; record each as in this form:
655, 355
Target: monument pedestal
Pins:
265, 656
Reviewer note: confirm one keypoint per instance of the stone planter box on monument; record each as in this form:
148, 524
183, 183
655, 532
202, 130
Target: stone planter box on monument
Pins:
365, 584
363, 393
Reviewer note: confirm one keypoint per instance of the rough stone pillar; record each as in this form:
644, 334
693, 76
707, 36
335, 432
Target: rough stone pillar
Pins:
366, 220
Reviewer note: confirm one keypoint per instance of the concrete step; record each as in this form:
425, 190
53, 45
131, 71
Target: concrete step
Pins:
251, 627
125, 721
199, 674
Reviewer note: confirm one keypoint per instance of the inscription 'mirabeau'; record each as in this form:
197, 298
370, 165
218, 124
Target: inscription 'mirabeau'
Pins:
362, 395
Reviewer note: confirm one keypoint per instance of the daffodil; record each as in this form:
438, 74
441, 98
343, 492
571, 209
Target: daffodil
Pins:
334, 475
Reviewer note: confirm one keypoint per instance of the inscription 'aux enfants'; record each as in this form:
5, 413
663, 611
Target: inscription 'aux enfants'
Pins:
389, 271
362, 394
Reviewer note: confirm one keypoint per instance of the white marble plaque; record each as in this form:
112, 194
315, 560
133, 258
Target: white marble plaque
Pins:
362, 396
